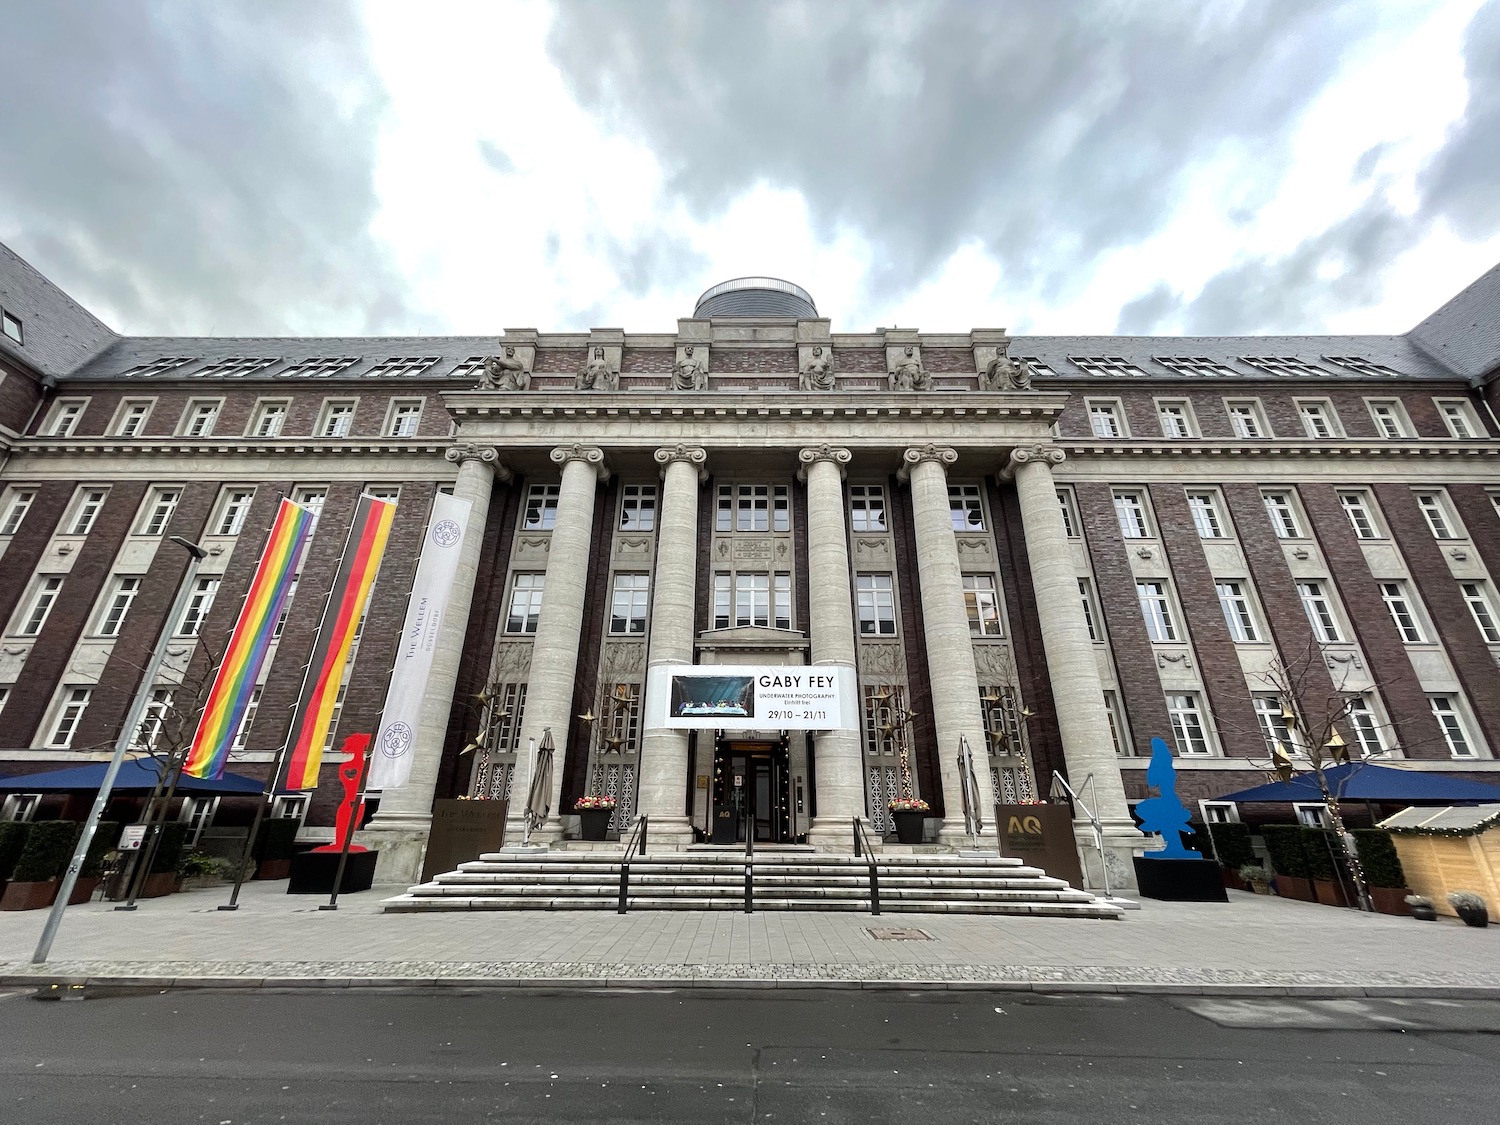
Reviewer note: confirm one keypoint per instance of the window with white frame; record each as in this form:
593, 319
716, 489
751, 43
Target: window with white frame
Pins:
157, 514
628, 604
199, 603
390, 493
1106, 365
1319, 609
1477, 597
1310, 815
131, 419
1319, 419
10, 324
153, 719
1130, 510
64, 417
1361, 514
319, 366
875, 605
1285, 366
17, 504
1156, 609
1366, 727
75, 702
1459, 417
1451, 722
20, 807
541, 507
1238, 615
1219, 812
1194, 365
122, 593
1176, 417
1389, 417
1246, 418
1188, 728
525, 602
867, 507
286, 609
1282, 510
1069, 509
403, 365
337, 419
1106, 419
1275, 723
964, 507
338, 710
1090, 609
199, 418
1403, 613
1495, 502
311, 497
4, 696
161, 366
1435, 511
242, 732
269, 419
236, 366
1118, 733
1361, 366
234, 506
1204, 506
756, 598
468, 369
638, 507
982, 602
753, 507
43, 598
404, 417
86, 510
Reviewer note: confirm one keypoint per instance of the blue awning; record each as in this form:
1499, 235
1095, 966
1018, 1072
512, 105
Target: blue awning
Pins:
137, 775
1365, 781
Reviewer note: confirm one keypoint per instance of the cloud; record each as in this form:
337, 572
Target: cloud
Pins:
197, 168
1463, 182
1146, 314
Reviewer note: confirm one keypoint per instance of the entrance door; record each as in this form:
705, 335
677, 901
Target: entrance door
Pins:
750, 793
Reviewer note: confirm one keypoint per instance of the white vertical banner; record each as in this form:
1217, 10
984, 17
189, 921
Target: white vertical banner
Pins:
390, 764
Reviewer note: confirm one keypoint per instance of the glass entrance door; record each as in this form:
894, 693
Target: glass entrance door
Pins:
750, 793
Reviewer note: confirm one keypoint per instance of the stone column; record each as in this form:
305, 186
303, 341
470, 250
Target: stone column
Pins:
400, 829
664, 750
950, 648
1073, 669
838, 753
559, 631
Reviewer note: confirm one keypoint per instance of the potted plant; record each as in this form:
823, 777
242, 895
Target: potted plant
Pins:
162, 878
1421, 908
1470, 907
593, 815
1318, 845
1288, 861
1256, 877
274, 845
1383, 875
33, 884
908, 814
106, 836
1231, 843
199, 870
13, 835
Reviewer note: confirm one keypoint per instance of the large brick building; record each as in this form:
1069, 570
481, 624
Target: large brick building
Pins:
1055, 547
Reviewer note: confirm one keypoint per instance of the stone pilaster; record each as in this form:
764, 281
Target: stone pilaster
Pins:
1083, 724
840, 771
664, 751
950, 648
400, 829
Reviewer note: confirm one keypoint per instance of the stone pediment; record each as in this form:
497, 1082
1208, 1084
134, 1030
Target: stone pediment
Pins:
749, 644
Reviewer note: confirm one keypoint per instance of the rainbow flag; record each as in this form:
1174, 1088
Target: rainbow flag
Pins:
235, 682
325, 669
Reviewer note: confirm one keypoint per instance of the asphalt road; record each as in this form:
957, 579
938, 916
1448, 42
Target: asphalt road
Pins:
406, 1057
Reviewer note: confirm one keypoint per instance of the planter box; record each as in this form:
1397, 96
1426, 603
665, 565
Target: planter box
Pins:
1179, 880
83, 889
1232, 880
201, 882
908, 826
1295, 887
594, 823
313, 873
273, 869
1390, 900
29, 896
1329, 892
159, 885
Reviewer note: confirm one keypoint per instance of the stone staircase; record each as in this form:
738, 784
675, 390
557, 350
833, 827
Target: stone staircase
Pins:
779, 880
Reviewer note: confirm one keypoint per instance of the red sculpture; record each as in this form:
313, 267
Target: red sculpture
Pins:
351, 773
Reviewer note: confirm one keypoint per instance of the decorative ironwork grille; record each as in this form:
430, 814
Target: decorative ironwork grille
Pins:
500, 731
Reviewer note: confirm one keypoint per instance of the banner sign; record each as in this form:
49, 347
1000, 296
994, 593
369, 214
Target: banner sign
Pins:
390, 767
751, 697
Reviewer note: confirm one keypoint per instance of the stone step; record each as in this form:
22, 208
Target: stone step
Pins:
1087, 909
826, 859
601, 890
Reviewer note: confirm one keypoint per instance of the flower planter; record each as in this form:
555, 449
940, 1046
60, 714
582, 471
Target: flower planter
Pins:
1329, 892
909, 826
273, 869
29, 895
1232, 880
158, 885
201, 882
83, 889
594, 823
1295, 887
1390, 900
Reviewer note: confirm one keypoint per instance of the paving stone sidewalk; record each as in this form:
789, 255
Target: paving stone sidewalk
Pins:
1253, 945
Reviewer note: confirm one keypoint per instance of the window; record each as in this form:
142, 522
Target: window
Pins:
233, 510
875, 605
983, 604
1455, 734
1283, 365
86, 510
199, 603
1311, 816
1187, 723
1130, 509
11, 326
403, 365
1204, 507
1090, 611
628, 609
41, 604
390, 493
65, 415
1283, 512
270, 417
312, 499
1176, 419
159, 509
337, 420
75, 702
638, 507
1105, 365
964, 507
1157, 611
1360, 366
242, 733
291, 595
1275, 726
1435, 512
1459, 417
468, 369
525, 603
1038, 367
1390, 419
236, 366
1237, 613
1245, 419
1219, 812
1194, 365
1365, 727
1117, 731
16, 508
867, 507
541, 507
132, 417
200, 417
405, 417
1069, 512
157, 366
124, 592
1399, 603
320, 366
1106, 419
1319, 419
1483, 610
4, 696
752, 598
148, 732
1319, 610
1361, 518
753, 507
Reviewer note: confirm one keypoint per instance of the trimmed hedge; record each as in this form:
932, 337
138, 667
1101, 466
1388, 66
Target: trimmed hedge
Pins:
276, 839
13, 835
1319, 845
1232, 843
169, 849
1285, 846
106, 836
48, 849
1377, 855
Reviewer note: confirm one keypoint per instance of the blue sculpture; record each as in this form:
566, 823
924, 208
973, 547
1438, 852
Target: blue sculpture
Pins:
1165, 814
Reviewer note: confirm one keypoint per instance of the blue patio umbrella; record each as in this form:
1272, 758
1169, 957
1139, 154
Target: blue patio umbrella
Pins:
137, 775
1364, 781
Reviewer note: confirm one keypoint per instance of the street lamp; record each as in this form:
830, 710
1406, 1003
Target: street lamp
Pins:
122, 745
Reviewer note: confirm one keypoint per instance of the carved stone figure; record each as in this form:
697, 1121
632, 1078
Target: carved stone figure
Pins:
1005, 374
504, 373
817, 372
909, 374
599, 375
690, 373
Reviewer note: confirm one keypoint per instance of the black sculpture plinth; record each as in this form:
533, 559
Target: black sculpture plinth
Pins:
313, 873
1179, 880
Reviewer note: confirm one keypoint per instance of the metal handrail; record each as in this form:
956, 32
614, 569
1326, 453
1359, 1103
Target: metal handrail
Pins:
637, 840
867, 850
749, 865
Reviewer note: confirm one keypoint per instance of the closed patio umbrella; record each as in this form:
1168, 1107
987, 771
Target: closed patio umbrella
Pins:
969, 786
539, 799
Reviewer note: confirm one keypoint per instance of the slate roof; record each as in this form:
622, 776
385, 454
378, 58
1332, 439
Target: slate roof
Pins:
1465, 332
59, 333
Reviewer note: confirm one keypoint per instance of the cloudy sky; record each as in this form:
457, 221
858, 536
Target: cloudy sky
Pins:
314, 167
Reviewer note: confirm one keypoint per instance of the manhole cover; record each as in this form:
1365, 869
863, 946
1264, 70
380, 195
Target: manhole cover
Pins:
898, 933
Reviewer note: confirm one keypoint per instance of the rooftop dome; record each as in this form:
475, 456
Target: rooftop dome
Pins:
755, 296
